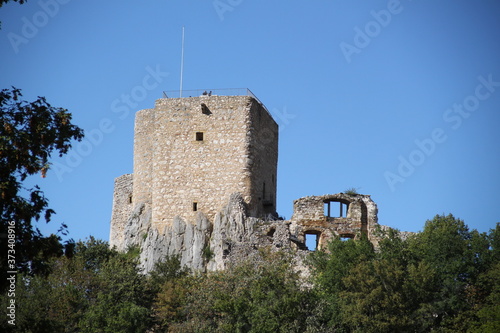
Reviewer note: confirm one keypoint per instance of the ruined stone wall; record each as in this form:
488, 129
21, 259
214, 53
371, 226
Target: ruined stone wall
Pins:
197, 151
122, 208
204, 188
308, 208
233, 236
309, 217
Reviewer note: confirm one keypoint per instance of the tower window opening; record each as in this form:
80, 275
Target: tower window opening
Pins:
195, 206
130, 199
199, 136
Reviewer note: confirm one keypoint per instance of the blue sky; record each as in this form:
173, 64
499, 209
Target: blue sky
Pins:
399, 99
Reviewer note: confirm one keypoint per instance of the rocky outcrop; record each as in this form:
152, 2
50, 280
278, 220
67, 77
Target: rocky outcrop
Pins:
203, 245
188, 241
135, 227
233, 235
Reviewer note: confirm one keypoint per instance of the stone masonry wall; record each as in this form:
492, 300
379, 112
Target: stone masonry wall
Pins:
122, 208
309, 217
143, 155
204, 188
200, 150
233, 236
263, 160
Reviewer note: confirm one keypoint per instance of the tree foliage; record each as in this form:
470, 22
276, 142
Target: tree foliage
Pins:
331, 267
261, 294
439, 279
96, 290
2, 2
444, 279
30, 133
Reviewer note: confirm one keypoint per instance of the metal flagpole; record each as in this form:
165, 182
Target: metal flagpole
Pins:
182, 61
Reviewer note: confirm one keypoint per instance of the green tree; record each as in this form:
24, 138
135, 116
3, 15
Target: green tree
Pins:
373, 297
96, 290
169, 282
260, 294
329, 270
457, 256
488, 313
385, 293
118, 295
485, 294
440, 279
168, 269
29, 134
2, 2
56, 302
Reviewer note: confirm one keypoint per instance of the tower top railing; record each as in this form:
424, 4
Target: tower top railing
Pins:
212, 92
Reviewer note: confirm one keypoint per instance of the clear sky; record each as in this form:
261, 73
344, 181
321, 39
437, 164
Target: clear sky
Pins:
399, 99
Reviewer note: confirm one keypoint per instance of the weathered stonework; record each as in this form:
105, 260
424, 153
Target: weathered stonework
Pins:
314, 215
122, 208
191, 154
204, 188
233, 235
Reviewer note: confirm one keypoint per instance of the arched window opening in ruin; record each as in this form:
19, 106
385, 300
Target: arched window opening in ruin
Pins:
336, 208
271, 232
199, 136
312, 240
346, 237
195, 206
130, 199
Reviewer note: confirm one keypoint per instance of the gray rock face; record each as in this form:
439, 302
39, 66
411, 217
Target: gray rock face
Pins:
231, 227
186, 240
136, 226
202, 245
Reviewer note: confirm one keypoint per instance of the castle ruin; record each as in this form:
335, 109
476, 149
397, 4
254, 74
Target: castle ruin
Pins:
204, 186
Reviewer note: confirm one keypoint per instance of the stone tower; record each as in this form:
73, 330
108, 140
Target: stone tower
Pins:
191, 154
